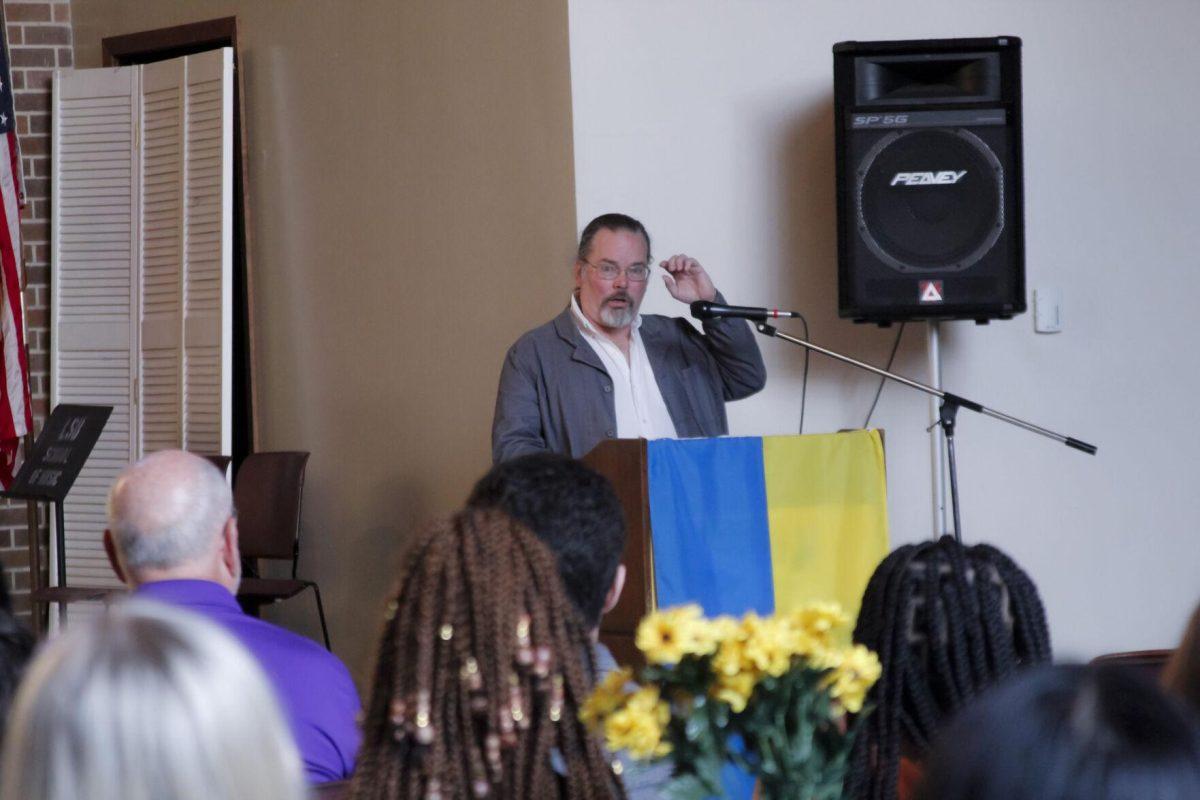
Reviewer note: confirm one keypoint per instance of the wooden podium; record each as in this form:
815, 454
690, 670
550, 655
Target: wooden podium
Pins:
623, 462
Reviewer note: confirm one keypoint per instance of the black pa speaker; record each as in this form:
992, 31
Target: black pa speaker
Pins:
929, 186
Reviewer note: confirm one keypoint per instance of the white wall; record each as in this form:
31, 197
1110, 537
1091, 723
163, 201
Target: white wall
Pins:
712, 121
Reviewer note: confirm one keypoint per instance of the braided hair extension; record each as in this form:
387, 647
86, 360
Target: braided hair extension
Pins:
482, 668
947, 622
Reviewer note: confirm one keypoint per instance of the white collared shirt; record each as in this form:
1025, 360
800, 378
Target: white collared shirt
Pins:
641, 410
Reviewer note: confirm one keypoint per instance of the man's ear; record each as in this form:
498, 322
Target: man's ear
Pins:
110, 549
578, 273
614, 591
231, 556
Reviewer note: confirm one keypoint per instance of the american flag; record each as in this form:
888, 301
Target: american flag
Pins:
16, 417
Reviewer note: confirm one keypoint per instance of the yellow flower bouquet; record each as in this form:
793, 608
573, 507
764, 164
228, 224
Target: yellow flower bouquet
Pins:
767, 694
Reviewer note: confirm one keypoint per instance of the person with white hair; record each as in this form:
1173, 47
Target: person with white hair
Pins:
148, 703
173, 537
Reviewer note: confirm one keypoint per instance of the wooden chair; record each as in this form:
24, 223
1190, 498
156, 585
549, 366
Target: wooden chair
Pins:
266, 492
1148, 662
331, 791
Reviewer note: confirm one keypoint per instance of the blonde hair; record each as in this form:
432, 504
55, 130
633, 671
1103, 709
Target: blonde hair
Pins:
148, 703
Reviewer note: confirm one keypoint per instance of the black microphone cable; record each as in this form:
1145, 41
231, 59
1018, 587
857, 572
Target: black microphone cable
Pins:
804, 378
879, 391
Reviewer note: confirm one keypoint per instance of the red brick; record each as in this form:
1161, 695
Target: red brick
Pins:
38, 362
62, 12
66, 57
20, 580
32, 56
38, 123
35, 231
37, 80
41, 254
38, 102
41, 167
38, 209
18, 80
47, 34
36, 145
38, 189
27, 12
14, 35
22, 124
36, 274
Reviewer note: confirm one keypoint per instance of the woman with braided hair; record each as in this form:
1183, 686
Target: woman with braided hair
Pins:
482, 668
947, 622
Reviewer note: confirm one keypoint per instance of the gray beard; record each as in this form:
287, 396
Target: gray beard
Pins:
617, 317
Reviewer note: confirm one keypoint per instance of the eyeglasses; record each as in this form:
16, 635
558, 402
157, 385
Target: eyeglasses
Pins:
635, 273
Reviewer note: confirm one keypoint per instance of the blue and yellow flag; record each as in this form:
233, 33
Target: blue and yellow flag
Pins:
765, 524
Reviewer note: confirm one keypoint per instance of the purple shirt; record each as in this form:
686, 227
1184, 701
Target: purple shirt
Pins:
313, 686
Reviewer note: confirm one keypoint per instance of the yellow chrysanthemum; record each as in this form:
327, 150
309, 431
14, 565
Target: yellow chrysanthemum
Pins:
853, 676
819, 620
770, 643
638, 727
735, 689
722, 628
731, 657
607, 697
665, 637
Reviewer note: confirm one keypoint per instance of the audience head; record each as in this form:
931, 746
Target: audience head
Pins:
575, 512
482, 669
947, 622
1181, 676
1069, 733
171, 516
148, 703
16, 646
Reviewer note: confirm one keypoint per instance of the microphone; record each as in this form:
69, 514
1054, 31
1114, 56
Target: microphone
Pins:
702, 309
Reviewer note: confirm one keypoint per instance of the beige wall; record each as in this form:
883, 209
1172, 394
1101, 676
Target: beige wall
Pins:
412, 202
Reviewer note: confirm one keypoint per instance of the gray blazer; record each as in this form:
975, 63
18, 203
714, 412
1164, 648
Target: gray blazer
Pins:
556, 395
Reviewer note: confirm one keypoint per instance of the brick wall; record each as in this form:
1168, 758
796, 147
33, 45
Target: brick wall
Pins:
39, 40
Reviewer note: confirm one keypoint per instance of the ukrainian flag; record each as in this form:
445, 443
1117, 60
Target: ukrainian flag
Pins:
766, 524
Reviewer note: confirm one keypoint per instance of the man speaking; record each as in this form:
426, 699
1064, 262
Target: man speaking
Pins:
600, 370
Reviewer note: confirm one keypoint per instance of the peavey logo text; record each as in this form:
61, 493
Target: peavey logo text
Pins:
943, 178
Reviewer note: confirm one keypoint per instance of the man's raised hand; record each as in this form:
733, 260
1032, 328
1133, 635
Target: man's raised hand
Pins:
686, 280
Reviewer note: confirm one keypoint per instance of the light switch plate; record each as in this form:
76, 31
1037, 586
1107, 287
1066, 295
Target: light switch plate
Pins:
1047, 310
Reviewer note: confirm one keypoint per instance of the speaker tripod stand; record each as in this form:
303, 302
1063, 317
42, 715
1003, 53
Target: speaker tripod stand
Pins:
948, 413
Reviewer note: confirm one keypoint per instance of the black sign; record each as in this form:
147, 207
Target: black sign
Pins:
60, 453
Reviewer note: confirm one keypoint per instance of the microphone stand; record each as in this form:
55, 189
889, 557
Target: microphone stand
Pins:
951, 403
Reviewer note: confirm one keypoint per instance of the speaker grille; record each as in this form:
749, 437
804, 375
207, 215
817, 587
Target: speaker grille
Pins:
930, 199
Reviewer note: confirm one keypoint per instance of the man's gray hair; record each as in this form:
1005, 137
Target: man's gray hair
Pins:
147, 702
168, 509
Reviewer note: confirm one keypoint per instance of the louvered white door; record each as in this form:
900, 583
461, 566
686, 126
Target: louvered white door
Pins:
142, 255
208, 271
162, 203
93, 294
